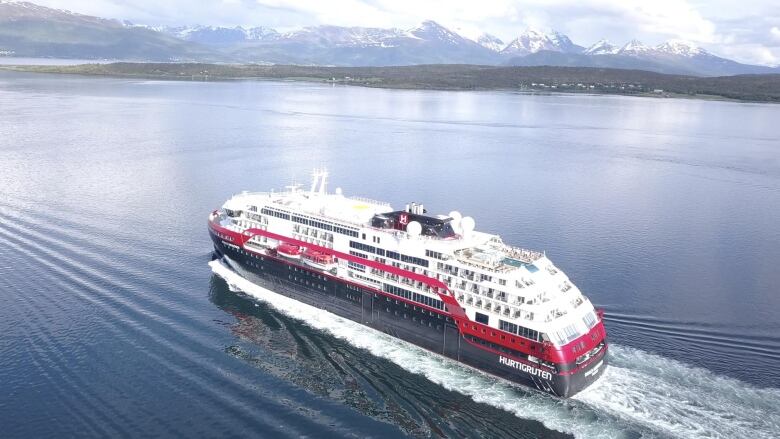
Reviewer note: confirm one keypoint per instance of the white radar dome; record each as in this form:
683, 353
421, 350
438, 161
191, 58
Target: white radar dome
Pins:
455, 223
339, 191
468, 224
414, 228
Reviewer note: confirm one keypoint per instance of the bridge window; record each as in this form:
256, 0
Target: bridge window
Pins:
590, 319
519, 330
433, 254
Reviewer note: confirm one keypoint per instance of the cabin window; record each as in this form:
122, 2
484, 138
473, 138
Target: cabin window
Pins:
481, 318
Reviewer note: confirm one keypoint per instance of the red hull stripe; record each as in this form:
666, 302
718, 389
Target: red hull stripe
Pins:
349, 282
453, 306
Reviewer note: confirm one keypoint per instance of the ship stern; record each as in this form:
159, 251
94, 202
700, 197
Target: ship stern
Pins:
568, 383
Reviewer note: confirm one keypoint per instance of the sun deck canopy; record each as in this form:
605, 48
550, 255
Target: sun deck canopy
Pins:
400, 219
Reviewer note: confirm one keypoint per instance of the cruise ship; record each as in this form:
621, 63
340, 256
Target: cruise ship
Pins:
430, 280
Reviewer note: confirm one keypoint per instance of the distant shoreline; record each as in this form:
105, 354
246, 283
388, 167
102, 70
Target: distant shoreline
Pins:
545, 79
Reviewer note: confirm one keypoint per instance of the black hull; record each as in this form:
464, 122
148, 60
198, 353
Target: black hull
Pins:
435, 332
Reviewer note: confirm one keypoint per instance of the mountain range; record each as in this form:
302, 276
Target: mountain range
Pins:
30, 30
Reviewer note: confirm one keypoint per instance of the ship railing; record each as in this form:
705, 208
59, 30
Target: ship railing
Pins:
255, 245
402, 234
245, 193
296, 192
499, 267
371, 201
524, 255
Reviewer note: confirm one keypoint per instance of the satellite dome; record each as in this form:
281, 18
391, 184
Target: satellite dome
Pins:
456, 218
468, 224
414, 228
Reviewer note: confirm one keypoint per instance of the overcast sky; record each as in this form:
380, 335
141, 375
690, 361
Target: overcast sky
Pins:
747, 30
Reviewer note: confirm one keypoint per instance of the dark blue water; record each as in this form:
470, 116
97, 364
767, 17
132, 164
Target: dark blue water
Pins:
665, 212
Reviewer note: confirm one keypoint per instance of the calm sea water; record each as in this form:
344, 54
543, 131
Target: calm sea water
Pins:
665, 212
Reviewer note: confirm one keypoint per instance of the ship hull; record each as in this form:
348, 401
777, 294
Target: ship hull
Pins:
433, 331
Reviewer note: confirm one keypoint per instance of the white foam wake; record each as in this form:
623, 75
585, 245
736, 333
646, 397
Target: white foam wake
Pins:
682, 400
638, 391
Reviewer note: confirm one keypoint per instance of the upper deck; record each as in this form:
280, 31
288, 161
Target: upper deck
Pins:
445, 236
349, 210
495, 256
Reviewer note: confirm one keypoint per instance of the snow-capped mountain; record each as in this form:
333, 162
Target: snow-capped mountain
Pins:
430, 30
681, 48
260, 33
634, 48
428, 43
674, 56
338, 36
601, 47
490, 42
217, 34
533, 40
30, 30
564, 43
20, 10
637, 48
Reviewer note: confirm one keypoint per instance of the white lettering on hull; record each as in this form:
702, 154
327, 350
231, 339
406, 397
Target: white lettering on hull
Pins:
595, 369
524, 367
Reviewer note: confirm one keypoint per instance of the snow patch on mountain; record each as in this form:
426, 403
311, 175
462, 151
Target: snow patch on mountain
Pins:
18, 10
491, 42
213, 34
430, 30
634, 47
564, 43
344, 36
601, 47
534, 40
681, 48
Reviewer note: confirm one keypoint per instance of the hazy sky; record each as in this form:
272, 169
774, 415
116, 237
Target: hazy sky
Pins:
748, 30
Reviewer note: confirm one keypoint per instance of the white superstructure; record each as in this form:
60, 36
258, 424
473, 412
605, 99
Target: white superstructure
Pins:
508, 288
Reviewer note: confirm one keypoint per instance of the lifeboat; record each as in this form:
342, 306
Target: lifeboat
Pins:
289, 251
319, 260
